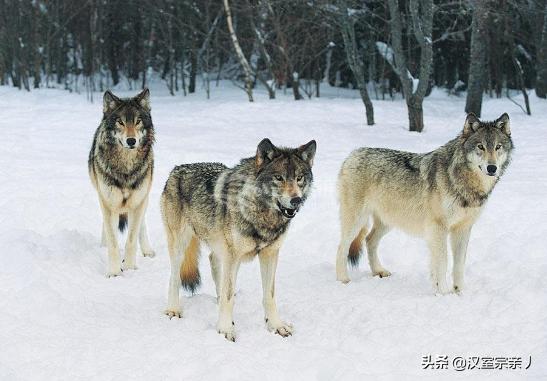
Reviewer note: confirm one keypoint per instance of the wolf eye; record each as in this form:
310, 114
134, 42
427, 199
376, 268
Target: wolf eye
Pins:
278, 177
119, 121
498, 147
139, 120
481, 147
299, 178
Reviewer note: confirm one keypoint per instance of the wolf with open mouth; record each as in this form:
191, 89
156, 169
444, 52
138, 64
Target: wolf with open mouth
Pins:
239, 213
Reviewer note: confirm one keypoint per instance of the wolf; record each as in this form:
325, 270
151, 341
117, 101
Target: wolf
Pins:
239, 213
121, 164
435, 195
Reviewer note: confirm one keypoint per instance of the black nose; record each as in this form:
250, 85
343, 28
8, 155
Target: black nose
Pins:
491, 169
131, 141
295, 201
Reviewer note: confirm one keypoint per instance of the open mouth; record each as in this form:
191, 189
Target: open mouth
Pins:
287, 212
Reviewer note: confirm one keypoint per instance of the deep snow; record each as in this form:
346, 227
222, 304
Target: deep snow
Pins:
61, 318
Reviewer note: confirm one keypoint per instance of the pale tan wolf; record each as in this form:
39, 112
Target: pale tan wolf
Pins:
240, 213
432, 195
121, 162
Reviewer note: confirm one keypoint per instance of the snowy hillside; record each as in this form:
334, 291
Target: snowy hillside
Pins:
61, 318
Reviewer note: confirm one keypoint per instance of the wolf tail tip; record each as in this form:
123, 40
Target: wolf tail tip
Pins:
189, 271
191, 284
122, 222
354, 257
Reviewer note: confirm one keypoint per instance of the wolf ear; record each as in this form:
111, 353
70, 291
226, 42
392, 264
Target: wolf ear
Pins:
144, 99
110, 101
265, 152
503, 123
307, 152
471, 124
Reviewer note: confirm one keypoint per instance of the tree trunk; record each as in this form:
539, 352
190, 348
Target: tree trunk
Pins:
477, 59
541, 79
261, 44
239, 53
355, 60
193, 68
295, 85
36, 51
415, 114
422, 27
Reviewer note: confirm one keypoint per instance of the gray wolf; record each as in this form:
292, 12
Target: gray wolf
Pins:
432, 195
121, 163
239, 213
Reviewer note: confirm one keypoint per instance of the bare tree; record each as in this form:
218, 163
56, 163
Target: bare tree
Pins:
477, 59
259, 31
239, 53
421, 14
541, 79
346, 20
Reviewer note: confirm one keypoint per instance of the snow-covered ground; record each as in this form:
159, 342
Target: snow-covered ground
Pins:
61, 318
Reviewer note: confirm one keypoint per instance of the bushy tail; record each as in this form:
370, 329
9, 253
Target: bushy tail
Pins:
122, 222
356, 248
189, 271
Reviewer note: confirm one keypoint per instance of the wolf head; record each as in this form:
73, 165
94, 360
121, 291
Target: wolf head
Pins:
284, 175
488, 145
128, 121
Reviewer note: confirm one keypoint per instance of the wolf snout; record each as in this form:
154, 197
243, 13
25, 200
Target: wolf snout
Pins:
131, 142
296, 201
491, 169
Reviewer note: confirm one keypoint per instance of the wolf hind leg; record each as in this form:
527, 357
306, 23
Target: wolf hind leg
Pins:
215, 272
379, 229
103, 236
437, 242
356, 247
177, 242
179, 234
352, 221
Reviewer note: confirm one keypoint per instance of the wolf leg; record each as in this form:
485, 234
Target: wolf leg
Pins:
351, 223
135, 217
459, 238
146, 248
103, 236
228, 277
373, 240
177, 242
268, 265
437, 237
215, 272
110, 224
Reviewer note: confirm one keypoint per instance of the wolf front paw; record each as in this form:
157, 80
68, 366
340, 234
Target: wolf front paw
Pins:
281, 328
173, 313
228, 332
441, 288
113, 272
229, 335
343, 278
128, 265
148, 253
382, 273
